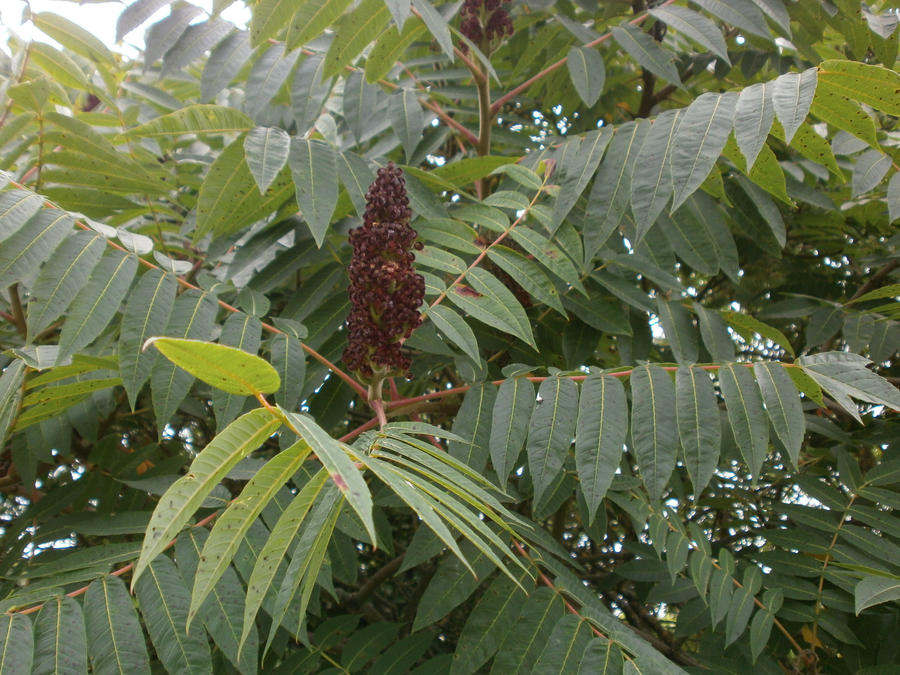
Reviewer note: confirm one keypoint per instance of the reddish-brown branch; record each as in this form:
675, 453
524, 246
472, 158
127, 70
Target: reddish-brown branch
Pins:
512, 93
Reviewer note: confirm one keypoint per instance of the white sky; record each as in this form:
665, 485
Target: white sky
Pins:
98, 17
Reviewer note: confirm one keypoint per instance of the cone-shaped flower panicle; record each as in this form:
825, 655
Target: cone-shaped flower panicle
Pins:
485, 19
385, 291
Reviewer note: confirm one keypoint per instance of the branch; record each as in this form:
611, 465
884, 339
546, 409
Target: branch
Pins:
500, 102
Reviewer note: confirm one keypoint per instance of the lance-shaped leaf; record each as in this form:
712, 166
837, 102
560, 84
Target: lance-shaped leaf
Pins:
678, 328
535, 623
354, 32
16, 644
266, 150
490, 301
874, 590
98, 301
550, 431
314, 166
651, 184
783, 407
193, 316
753, 118
565, 646
11, 381
745, 413
747, 325
845, 375
528, 275
647, 52
60, 641
870, 84
313, 17
268, 74
577, 171
509, 425
185, 496
275, 548
224, 62
306, 561
164, 601
115, 640
654, 431
699, 140
473, 423
792, 94
588, 73
146, 313
269, 18
360, 100
451, 585
289, 361
59, 283
229, 530
242, 331
487, 625
600, 435
33, 243
698, 428
227, 368
870, 168
194, 119
437, 25
454, 327
612, 188
16, 208
334, 457
224, 607
695, 26
601, 657
407, 119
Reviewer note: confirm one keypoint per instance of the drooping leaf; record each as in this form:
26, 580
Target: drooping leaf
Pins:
651, 184
695, 26
654, 430
550, 431
194, 119
184, 497
588, 74
451, 585
753, 118
164, 601
700, 434
311, 18
509, 426
454, 327
600, 434
577, 172
115, 640
783, 407
407, 119
266, 150
679, 329
870, 84
874, 590
314, 167
354, 31
745, 413
223, 64
34, 242
192, 317
16, 644
488, 300
565, 646
60, 641
269, 18
535, 622
741, 13
647, 52
289, 362
792, 94
473, 423
702, 132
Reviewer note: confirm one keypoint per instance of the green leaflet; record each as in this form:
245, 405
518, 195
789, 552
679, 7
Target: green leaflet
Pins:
407, 119
792, 94
870, 84
230, 528
701, 436
314, 167
335, 457
32, 244
60, 642
354, 32
242, 331
266, 151
678, 328
651, 185
227, 368
164, 601
491, 302
487, 625
222, 610
97, 302
782, 401
454, 327
473, 423
550, 431
194, 119
16, 208
512, 410
193, 315
565, 646
115, 639
275, 548
588, 74
311, 18
146, 314
535, 622
745, 413
654, 433
16, 644
450, 586
601, 430
184, 497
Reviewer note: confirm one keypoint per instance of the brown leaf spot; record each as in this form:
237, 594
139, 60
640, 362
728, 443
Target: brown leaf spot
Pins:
340, 482
467, 291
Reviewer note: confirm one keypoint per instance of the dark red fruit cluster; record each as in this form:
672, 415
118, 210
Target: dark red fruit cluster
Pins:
494, 23
385, 291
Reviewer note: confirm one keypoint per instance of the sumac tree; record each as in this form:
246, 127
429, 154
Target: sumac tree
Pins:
644, 419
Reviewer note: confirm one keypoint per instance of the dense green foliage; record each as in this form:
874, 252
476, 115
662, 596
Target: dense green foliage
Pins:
651, 419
